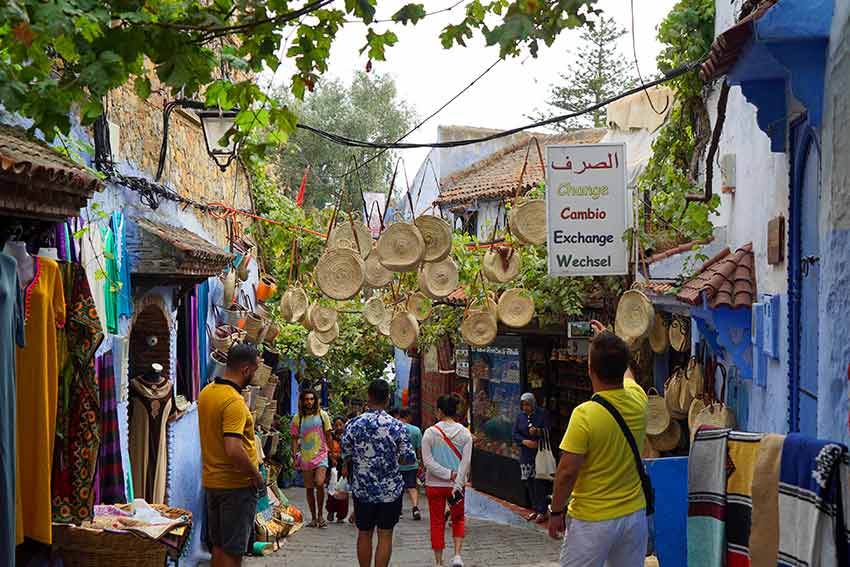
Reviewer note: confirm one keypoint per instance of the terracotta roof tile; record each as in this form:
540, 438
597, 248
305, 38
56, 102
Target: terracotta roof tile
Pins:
728, 45
457, 297
657, 287
498, 174
686, 247
728, 280
195, 256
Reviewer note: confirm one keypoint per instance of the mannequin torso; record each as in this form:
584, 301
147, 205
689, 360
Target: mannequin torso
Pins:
26, 263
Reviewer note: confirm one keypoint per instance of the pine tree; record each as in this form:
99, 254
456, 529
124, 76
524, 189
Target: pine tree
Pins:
600, 71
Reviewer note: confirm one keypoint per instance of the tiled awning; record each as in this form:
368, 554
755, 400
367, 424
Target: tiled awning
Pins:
727, 47
728, 280
159, 249
36, 181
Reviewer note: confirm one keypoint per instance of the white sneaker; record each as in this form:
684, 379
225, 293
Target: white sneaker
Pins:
457, 561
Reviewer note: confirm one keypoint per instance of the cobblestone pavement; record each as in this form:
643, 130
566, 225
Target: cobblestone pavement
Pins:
487, 544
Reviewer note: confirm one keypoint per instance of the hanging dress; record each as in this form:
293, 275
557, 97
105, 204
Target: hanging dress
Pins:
150, 406
37, 390
11, 325
78, 414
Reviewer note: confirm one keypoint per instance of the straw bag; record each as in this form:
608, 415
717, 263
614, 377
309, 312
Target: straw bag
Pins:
242, 269
340, 273
438, 279
437, 235
419, 305
527, 220
673, 394
330, 335
679, 334
717, 413
352, 235
254, 325
293, 304
272, 332
225, 336
697, 405
401, 247
315, 346
404, 328
657, 414
228, 281
659, 340
374, 311
384, 325
669, 439
235, 315
322, 318
635, 316
479, 327
516, 308
377, 276
695, 378
500, 265
218, 363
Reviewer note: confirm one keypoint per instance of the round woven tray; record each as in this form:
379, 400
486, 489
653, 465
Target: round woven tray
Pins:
500, 265
527, 220
340, 273
343, 236
438, 279
401, 247
516, 308
404, 329
437, 235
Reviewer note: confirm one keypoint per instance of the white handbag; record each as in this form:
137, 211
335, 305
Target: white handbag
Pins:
544, 463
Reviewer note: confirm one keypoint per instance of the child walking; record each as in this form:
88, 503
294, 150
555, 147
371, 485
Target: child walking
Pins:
337, 507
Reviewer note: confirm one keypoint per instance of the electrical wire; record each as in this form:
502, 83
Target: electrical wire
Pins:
426, 15
637, 68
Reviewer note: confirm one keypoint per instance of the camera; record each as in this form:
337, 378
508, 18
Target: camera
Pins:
453, 501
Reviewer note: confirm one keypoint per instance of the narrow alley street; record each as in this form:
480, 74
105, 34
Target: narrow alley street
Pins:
487, 544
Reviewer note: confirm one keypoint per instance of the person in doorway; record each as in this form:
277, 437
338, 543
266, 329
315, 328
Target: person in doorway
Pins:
231, 475
373, 445
337, 506
606, 520
528, 430
447, 454
311, 430
409, 472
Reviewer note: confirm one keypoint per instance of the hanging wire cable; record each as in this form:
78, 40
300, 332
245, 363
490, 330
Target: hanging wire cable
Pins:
637, 68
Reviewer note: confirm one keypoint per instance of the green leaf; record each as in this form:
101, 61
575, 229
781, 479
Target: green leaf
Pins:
100, 274
410, 13
142, 86
91, 110
66, 49
364, 9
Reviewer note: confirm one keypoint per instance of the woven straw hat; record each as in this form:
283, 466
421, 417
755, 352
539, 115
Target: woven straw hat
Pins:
322, 318
438, 279
635, 315
419, 305
315, 346
658, 335
340, 273
479, 327
404, 328
377, 276
374, 311
500, 265
437, 235
343, 236
657, 414
330, 335
401, 247
527, 220
669, 439
384, 325
679, 335
516, 308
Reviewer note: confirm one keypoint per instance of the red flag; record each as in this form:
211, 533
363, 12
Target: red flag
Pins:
300, 200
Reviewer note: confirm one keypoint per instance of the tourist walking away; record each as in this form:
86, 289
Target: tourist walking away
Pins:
311, 430
410, 472
373, 445
600, 467
337, 506
231, 475
528, 431
447, 453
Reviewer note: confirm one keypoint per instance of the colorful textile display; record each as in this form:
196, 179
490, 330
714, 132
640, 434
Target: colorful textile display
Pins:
122, 258
764, 532
12, 329
110, 470
112, 282
743, 452
813, 505
150, 406
78, 415
37, 390
184, 489
707, 473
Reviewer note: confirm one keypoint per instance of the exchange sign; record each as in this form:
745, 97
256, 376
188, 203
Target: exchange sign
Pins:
587, 210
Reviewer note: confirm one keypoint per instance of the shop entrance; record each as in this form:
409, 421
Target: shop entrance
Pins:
150, 341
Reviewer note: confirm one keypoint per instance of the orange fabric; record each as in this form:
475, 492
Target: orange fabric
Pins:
37, 392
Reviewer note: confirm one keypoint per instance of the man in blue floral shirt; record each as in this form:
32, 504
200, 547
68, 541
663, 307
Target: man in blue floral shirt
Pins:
373, 445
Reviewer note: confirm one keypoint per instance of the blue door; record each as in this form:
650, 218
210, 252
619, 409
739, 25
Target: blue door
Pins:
803, 272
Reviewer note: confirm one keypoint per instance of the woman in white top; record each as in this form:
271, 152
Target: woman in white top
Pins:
446, 453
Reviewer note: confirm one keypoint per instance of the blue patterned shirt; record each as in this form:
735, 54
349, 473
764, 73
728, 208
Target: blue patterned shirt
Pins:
375, 442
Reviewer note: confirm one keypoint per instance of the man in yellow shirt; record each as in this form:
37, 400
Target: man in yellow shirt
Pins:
606, 521
230, 476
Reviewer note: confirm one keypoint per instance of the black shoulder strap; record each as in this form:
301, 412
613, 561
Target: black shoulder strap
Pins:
648, 491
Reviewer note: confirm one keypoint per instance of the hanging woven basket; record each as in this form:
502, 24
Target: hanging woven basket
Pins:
716, 414
266, 288
305, 321
242, 270
669, 439
419, 306
272, 332
439, 279
679, 334
377, 276
437, 235
697, 405
673, 394
516, 308
635, 316
374, 311
401, 247
357, 238
659, 340
228, 281
225, 336
384, 325
657, 414
479, 327
404, 329
500, 265
527, 220
294, 303
695, 377
322, 318
254, 325
330, 335
315, 346
340, 273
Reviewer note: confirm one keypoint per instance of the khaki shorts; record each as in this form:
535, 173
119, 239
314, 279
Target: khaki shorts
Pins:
230, 518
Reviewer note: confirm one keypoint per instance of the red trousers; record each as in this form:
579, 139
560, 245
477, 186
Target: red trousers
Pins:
336, 506
437, 497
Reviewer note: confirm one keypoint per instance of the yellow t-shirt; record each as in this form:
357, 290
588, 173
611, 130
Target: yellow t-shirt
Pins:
608, 485
221, 413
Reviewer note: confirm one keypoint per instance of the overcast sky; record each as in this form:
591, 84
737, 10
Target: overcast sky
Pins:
428, 75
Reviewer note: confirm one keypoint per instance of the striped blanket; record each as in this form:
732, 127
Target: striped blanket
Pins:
743, 452
813, 503
764, 532
707, 474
